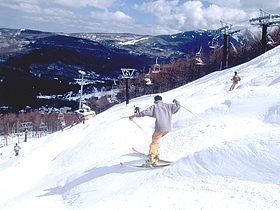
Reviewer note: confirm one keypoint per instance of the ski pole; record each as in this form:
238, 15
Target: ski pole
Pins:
194, 114
139, 126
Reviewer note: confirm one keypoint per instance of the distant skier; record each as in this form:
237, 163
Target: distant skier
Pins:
236, 78
16, 149
163, 113
25, 136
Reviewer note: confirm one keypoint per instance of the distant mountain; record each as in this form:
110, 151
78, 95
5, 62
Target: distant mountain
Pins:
36, 62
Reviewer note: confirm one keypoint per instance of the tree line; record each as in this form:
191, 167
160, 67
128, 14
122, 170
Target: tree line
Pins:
48, 122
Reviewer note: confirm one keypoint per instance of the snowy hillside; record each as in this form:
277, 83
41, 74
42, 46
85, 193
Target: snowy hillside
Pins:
226, 157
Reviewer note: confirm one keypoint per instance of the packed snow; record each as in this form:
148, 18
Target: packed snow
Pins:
225, 146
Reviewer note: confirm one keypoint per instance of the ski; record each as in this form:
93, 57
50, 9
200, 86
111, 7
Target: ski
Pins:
140, 166
141, 153
152, 166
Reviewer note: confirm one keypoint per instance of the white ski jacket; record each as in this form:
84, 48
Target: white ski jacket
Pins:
163, 113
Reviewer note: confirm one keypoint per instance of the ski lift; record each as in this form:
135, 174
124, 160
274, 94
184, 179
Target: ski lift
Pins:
215, 43
148, 78
85, 112
60, 116
156, 67
86, 108
61, 120
109, 99
270, 41
198, 57
114, 86
148, 81
62, 123
43, 125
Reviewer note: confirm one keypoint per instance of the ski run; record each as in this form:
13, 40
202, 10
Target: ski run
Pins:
226, 152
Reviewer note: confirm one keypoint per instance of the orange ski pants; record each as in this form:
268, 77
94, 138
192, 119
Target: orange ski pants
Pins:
232, 86
155, 142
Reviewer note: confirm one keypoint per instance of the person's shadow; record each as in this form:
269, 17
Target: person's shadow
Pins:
93, 174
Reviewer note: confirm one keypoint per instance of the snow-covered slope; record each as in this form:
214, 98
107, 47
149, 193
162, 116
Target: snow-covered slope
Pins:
225, 146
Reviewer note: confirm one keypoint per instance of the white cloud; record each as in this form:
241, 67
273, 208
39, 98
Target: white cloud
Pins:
227, 3
19, 1
224, 14
168, 16
103, 4
248, 5
113, 22
117, 16
164, 11
270, 5
192, 15
158, 8
31, 6
179, 17
36, 19
48, 19
58, 12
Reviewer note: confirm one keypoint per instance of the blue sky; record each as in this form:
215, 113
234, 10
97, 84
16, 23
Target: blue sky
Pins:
151, 17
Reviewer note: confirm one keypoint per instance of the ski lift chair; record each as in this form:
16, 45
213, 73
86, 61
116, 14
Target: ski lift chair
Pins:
270, 41
156, 67
60, 116
198, 58
114, 86
109, 99
148, 79
215, 43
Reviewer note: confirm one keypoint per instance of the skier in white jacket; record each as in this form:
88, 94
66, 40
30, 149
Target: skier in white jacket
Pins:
162, 112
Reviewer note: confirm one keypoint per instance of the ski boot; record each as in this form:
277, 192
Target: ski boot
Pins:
151, 162
157, 156
156, 159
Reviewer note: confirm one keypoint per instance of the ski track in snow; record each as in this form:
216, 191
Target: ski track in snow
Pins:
225, 157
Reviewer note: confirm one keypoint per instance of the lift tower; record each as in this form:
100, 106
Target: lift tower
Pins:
265, 20
227, 32
127, 74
